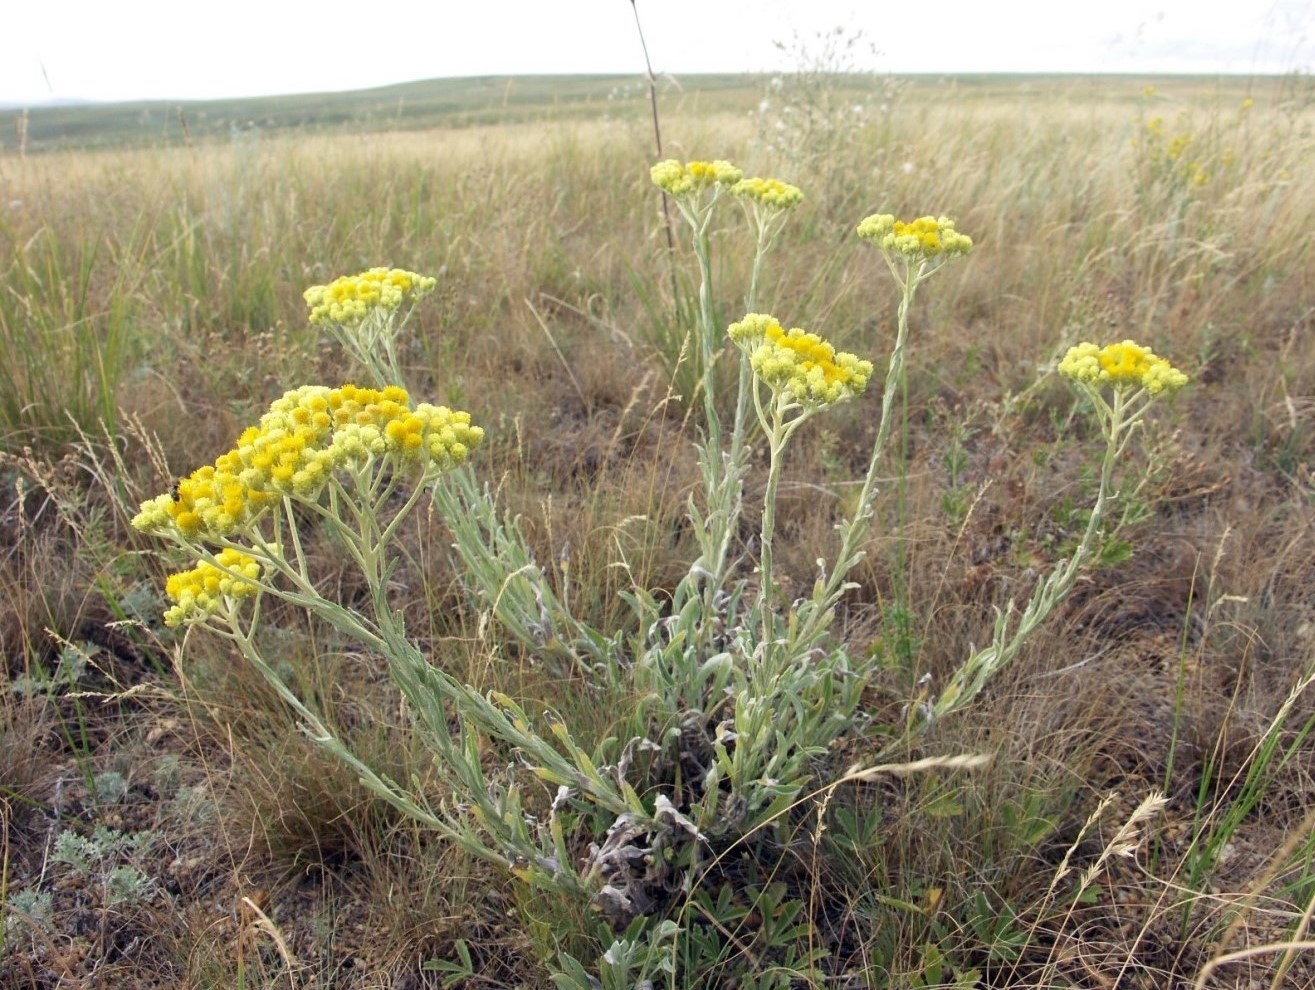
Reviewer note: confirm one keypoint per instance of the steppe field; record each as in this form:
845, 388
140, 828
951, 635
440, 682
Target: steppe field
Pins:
995, 672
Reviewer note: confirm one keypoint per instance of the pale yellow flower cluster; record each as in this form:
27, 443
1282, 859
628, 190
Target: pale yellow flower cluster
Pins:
198, 593
299, 442
769, 192
677, 179
1172, 153
1125, 365
798, 362
916, 240
349, 300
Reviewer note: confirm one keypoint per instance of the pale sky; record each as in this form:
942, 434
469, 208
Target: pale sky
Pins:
192, 49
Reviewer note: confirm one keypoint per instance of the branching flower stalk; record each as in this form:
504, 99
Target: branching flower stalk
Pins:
340, 456
1120, 381
766, 203
366, 313
913, 252
802, 374
788, 704
696, 187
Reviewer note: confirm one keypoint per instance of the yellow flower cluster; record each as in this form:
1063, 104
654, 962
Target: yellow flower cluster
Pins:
677, 179
1177, 146
749, 333
1173, 156
926, 237
798, 362
348, 300
769, 192
1126, 365
297, 445
199, 592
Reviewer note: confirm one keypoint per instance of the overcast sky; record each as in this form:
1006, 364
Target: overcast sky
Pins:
191, 49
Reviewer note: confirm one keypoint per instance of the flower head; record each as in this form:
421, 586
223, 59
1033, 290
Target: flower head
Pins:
349, 300
1125, 365
917, 240
770, 192
305, 436
798, 362
750, 332
679, 180
198, 593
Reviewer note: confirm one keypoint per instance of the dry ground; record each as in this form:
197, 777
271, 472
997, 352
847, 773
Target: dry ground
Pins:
260, 862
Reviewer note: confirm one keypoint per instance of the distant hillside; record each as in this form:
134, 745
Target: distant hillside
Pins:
408, 106
486, 100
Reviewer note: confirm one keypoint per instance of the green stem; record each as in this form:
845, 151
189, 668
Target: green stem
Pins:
708, 339
736, 464
294, 537
855, 531
776, 437
422, 485
321, 734
305, 593
969, 680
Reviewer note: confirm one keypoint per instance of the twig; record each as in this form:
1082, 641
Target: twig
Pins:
657, 138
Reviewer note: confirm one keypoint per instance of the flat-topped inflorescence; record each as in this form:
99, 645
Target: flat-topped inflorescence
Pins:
305, 436
198, 593
351, 299
770, 192
916, 240
1125, 365
678, 180
800, 363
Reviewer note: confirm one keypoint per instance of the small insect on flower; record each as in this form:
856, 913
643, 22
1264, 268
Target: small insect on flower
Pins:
175, 491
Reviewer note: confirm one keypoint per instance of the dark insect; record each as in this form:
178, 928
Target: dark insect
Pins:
174, 493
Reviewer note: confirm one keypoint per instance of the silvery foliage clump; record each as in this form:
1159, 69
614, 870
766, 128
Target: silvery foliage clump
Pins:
27, 911
102, 858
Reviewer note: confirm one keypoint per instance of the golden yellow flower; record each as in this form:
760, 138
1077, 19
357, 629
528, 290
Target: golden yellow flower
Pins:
307, 434
200, 592
679, 180
915, 240
350, 299
749, 332
1125, 365
769, 192
799, 362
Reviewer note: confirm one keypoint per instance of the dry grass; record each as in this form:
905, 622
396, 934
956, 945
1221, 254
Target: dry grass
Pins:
267, 863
